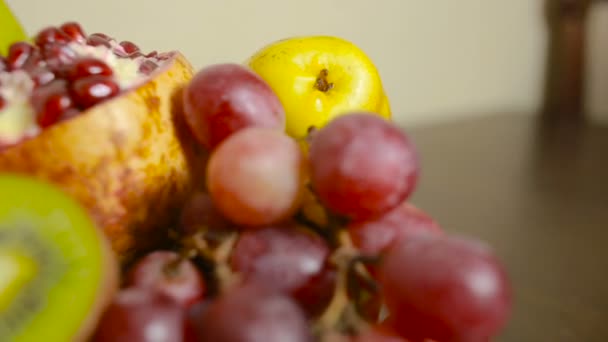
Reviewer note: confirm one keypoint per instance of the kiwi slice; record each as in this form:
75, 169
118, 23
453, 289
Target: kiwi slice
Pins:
57, 271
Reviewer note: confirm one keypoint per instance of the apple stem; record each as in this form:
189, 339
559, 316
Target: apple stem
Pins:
322, 83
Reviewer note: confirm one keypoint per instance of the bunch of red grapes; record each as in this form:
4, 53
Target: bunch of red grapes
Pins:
290, 244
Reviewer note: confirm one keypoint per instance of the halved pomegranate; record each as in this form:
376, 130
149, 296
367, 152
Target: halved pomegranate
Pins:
101, 118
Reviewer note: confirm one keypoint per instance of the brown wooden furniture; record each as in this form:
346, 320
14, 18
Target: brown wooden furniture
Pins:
541, 201
536, 191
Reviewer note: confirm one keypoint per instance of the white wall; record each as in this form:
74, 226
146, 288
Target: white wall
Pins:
439, 59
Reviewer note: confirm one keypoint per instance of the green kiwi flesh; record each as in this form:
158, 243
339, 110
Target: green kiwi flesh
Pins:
56, 268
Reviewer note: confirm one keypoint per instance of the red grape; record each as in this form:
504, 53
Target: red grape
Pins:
141, 315
362, 166
447, 288
256, 176
224, 98
199, 212
374, 236
251, 314
289, 260
160, 271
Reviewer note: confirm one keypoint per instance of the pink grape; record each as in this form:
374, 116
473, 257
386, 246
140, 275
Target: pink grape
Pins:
256, 176
448, 288
250, 314
362, 165
288, 260
374, 236
159, 271
141, 315
224, 98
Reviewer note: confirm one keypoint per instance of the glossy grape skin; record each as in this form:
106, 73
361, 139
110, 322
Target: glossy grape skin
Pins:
362, 165
224, 98
256, 177
251, 314
374, 236
448, 288
289, 260
158, 271
141, 315
199, 213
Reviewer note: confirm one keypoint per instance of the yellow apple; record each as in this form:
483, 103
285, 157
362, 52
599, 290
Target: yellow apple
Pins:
318, 78
385, 108
11, 31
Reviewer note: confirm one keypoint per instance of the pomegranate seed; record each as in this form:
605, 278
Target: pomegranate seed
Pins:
3, 65
129, 47
58, 56
147, 67
136, 54
88, 67
50, 102
120, 53
152, 54
22, 54
74, 31
97, 39
51, 35
68, 114
41, 76
2, 102
163, 56
91, 90
101, 35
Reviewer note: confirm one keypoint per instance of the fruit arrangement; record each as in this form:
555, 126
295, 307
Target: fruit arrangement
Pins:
262, 201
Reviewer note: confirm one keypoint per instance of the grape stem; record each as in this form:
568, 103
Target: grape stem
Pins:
340, 314
218, 255
324, 232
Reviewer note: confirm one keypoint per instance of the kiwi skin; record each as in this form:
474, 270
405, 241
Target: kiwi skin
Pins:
108, 288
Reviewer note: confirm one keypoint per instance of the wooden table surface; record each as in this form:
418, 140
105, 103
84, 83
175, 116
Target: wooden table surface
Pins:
540, 197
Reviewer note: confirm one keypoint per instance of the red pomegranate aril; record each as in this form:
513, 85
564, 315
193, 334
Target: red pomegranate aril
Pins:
135, 54
57, 57
41, 76
2, 102
50, 102
3, 65
152, 54
147, 67
86, 67
98, 39
129, 47
21, 54
92, 90
101, 35
51, 35
74, 31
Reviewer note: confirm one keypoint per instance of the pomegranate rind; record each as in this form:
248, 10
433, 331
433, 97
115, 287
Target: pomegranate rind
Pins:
126, 160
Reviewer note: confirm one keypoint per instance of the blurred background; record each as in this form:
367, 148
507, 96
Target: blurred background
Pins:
440, 60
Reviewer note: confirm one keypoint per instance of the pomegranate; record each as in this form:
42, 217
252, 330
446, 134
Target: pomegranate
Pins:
99, 118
